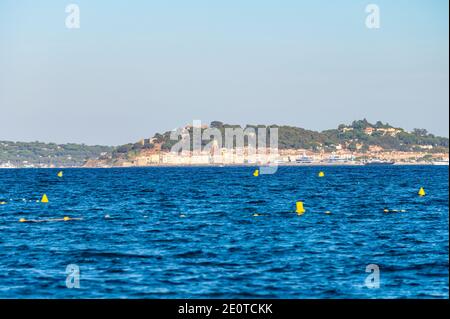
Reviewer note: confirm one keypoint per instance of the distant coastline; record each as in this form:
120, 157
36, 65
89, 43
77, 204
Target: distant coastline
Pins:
396, 164
354, 144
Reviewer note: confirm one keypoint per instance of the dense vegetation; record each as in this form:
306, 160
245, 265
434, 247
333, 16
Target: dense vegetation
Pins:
46, 154
352, 137
354, 134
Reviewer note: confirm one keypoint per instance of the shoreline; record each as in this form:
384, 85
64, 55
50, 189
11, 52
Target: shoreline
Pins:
229, 165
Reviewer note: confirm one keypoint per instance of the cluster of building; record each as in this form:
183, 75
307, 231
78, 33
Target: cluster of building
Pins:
281, 157
391, 131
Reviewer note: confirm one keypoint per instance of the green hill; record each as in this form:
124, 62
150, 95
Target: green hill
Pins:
359, 135
22, 154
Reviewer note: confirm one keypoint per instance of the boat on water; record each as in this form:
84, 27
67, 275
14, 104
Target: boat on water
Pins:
338, 159
304, 159
376, 162
441, 162
7, 165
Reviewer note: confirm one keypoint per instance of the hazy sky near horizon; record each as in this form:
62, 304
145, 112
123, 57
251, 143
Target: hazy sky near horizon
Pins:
139, 67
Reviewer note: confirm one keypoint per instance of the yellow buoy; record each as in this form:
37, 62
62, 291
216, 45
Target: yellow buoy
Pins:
421, 192
256, 173
300, 210
394, 210
60, 174
321, 174
2, 203
64, 219
44, 199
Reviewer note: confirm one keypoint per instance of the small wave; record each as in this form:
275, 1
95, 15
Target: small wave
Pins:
195, 254
257, 201
109, 254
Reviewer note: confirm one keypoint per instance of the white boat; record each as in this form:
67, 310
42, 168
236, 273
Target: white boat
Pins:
441, 162
379, 162
7, 165
304, 159
337, 159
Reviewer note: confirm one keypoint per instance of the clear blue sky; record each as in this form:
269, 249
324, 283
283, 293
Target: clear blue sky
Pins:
138, 67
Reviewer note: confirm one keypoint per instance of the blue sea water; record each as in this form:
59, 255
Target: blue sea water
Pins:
191, 232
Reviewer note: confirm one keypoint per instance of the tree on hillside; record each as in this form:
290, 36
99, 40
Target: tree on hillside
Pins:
420, 132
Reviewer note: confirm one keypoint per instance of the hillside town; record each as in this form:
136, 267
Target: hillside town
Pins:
360, 143
283, 157
151, 153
